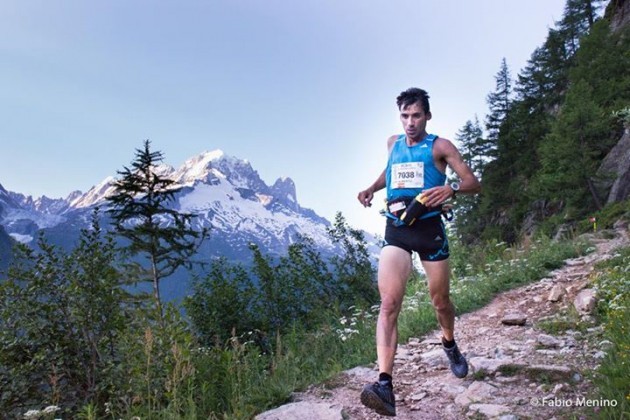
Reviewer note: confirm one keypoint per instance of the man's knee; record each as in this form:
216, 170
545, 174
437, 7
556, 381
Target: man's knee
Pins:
441, 303
390, 305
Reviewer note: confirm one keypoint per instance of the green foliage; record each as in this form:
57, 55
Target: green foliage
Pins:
559, 127
473, 147
139, 209
299, 288
158, 365
353, 271
61, 319
499, 104
572, 151
221, 303
568, 319
606, 217
613, 375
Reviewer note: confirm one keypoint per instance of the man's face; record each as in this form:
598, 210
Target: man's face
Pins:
414, 120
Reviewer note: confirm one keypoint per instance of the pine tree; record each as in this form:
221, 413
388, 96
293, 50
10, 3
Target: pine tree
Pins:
473, 146
577, 20
141, 214
499, 103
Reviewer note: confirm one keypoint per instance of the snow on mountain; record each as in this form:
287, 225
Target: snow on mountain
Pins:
95, 195
42, 204
199, 168
224, 192
6, 201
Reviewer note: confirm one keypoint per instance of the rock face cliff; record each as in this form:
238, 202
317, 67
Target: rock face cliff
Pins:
615, 170
618, 12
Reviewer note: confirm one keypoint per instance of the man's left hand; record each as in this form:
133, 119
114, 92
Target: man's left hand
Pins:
437, 195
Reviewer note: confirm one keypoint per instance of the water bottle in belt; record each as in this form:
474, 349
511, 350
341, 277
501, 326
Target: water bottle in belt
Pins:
415, 209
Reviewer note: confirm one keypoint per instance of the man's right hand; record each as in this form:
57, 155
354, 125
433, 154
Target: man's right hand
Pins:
365, 198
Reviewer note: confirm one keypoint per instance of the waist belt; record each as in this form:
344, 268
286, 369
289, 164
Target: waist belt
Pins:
396, 210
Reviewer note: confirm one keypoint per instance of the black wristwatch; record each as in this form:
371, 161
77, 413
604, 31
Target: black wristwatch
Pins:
455, 187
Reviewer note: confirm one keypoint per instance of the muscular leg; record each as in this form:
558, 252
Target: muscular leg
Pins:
393, 271
437, 275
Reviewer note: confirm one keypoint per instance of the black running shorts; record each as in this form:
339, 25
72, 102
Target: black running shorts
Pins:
427, 237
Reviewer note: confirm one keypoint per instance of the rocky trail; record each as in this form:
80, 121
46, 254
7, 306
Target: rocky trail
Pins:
521, 367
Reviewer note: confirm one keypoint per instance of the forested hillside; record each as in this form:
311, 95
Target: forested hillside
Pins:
548, 129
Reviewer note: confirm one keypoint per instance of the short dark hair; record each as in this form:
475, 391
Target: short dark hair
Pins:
412, 96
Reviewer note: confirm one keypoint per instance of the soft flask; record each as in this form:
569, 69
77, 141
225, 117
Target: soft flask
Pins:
415, 209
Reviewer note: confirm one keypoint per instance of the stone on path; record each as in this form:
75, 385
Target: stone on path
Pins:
304, 410
549, 341
491, 366
478, 391
435, 358
489, 410
556, 293
514, 318
585, 301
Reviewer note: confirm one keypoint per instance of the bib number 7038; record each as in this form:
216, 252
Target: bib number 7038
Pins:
408, 175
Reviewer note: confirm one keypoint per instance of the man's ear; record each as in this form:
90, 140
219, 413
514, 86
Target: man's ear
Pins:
429, 116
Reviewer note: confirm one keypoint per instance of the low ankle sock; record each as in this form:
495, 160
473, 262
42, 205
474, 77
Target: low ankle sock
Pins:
385, 377
448, 343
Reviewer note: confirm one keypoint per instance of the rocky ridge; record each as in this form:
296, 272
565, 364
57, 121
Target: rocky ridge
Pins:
519, 369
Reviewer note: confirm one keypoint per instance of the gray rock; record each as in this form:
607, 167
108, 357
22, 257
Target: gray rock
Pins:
614, 172
363, 373
435, 358
489, 410
556, 293
575, 262
491, 366
514, 318
304, 410
549, 341
585, 301
418, 396
478, 391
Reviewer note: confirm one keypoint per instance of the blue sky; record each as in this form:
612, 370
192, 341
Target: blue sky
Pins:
304, 89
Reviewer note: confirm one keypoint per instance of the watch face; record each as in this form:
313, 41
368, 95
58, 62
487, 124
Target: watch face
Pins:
455, 186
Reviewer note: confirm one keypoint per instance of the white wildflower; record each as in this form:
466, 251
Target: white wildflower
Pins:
32, 414
51, 409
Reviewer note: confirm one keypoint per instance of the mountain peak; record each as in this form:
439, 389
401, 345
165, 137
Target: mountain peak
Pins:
96, 194
284, 190
198, 168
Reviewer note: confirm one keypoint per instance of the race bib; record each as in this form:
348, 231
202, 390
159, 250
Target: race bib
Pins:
408, 175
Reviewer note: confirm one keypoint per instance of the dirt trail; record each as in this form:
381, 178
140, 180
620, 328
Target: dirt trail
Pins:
516, 371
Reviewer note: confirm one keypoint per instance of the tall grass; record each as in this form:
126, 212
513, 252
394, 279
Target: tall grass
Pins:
613, 376
245, 377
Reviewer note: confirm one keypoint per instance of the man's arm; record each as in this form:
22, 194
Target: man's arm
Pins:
469, 184
365, 197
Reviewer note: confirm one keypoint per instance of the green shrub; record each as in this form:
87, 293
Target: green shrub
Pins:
613, 376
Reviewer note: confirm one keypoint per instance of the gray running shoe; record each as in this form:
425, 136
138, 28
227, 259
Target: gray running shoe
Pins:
458, 363
379, 397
